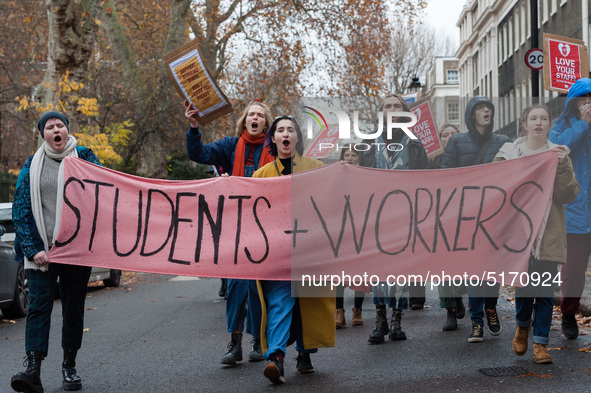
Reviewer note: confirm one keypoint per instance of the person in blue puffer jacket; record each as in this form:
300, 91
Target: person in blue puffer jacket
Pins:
572, 129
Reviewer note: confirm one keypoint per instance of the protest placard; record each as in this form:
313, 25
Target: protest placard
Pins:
426, 129
194, 83
324, 143
565, 61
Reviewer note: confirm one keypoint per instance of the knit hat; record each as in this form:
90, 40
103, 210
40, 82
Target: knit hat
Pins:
52, 115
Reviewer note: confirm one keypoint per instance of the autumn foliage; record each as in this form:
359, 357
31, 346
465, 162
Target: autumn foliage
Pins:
100, 61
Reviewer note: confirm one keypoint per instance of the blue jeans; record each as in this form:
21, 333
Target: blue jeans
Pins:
283, 318
395, 296
544, 301
481, 297
240, 293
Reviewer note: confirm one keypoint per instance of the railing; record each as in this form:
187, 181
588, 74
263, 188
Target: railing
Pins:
7, 187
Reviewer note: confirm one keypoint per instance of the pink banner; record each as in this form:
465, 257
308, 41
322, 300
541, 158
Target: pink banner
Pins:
339, 219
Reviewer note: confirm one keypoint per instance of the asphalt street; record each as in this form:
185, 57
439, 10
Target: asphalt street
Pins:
159, 333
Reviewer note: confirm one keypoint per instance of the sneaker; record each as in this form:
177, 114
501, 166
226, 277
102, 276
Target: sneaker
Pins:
477, 335
570, 328
304, 364
274, 370
493, 325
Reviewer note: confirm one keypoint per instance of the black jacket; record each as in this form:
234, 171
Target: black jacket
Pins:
417, 156
462, 148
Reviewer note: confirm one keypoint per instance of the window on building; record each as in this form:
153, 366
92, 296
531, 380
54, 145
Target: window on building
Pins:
452, 77
554, 6
527, 20
523, 23
544, 4
516, 28
500, 47
505, 44
510, 37
562, 2
453, 112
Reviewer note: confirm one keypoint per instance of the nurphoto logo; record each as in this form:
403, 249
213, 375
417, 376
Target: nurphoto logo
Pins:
394, 120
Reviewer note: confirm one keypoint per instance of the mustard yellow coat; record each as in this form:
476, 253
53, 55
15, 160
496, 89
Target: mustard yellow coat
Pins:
318, 327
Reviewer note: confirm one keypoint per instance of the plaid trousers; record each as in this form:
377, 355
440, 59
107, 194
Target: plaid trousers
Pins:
73, 281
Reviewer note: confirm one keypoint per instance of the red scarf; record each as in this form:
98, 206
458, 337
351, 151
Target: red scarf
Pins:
239, 155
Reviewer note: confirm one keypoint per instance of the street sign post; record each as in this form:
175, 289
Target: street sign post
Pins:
534, 59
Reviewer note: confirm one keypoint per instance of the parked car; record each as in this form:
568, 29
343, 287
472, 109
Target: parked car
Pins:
14, 286
109, 277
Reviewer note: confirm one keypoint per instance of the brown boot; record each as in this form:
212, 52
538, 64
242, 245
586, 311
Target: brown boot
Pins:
520, 340
357, 319
339, 318
541, 355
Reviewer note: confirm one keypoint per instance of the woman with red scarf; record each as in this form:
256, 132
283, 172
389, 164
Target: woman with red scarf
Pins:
239, 155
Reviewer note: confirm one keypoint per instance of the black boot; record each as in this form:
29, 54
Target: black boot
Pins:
381, 329
256, 355
223, 288
451, 323
396, 332
30, 379
460, 309
71, 379
570, 328
234, 350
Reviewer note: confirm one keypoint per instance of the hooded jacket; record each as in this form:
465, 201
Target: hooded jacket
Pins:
462, 148
572, 131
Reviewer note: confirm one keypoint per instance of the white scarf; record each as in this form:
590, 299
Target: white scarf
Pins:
35, 188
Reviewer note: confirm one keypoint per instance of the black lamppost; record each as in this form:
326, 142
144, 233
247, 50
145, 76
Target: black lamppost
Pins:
415, 85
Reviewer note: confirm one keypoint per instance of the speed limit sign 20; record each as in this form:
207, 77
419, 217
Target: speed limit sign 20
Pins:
534, 59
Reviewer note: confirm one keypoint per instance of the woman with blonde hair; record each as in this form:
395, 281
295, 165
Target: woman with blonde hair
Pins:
239, 155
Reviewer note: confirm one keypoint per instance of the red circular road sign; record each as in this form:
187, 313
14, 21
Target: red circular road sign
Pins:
534, 59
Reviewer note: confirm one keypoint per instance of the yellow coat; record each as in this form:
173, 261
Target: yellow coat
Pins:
275, 168
318, 327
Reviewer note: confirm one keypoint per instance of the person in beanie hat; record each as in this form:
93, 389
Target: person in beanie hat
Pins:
52, 115
36, 215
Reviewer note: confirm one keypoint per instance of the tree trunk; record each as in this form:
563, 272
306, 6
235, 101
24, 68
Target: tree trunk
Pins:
151, 148
71, 39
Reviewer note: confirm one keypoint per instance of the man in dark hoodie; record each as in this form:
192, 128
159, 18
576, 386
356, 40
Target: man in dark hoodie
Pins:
478, 146
399, 152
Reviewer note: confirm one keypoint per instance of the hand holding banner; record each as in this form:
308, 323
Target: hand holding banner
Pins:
336, 219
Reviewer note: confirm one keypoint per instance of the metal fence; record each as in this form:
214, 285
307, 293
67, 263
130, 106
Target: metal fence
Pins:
7, 187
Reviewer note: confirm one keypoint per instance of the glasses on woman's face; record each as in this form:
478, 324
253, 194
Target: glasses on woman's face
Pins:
282, 117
